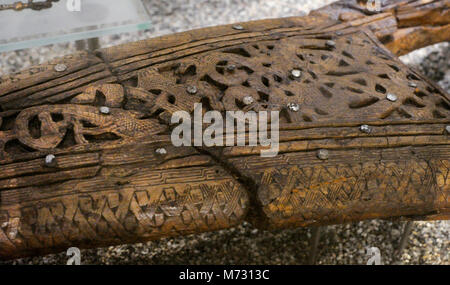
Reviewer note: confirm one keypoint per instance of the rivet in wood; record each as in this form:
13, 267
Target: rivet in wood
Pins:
60, 67
161, 151
104, 110
323, 154
296, 73
50, 160
231, 67
365, 129
391, 97
330, 44
238, 27
248, 100
294, 107
192, 89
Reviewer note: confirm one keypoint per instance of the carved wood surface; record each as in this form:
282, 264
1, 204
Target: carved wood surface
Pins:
86, 158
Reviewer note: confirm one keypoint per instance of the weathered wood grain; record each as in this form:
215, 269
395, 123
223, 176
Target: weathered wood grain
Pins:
86, 157
402, 26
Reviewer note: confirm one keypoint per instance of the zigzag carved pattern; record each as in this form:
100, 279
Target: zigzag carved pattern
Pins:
138, 211
308, 193
298, 189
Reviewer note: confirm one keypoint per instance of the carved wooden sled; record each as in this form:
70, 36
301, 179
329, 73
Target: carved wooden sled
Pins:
74, 173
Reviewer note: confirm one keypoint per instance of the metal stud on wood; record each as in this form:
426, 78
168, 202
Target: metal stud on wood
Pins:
60, 67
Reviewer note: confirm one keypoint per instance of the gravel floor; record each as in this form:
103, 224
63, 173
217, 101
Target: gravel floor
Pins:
341, 244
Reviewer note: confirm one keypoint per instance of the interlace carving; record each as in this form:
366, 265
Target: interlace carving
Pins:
336, 78
49, 126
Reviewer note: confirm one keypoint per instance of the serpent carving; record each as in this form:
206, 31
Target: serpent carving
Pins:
362, 136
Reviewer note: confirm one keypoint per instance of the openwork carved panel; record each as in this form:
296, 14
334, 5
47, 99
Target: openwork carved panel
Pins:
331, 78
